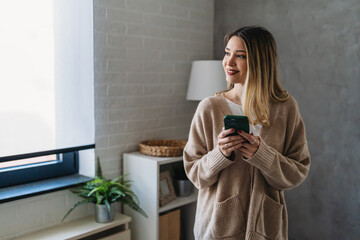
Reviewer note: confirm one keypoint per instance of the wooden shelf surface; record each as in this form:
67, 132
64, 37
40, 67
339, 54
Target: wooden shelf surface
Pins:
179, 201
79, 228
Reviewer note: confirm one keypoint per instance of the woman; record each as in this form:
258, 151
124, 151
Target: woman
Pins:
242, 178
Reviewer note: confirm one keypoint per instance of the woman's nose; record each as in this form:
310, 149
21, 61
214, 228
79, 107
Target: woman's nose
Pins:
231, 61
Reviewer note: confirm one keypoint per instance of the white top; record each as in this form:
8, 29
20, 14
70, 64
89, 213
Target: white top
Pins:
237, 109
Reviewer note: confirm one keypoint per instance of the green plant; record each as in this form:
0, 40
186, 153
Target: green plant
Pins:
103, 191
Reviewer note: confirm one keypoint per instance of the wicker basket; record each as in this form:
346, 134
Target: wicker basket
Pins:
162, 148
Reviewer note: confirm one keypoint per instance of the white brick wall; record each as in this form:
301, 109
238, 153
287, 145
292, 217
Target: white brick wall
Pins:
143, 52
31, 214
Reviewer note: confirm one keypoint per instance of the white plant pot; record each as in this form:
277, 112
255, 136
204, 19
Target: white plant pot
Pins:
102, 214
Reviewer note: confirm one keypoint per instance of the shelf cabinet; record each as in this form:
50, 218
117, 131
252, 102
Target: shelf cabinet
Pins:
144, 171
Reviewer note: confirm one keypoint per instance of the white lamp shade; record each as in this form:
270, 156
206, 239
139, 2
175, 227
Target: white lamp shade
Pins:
207, 77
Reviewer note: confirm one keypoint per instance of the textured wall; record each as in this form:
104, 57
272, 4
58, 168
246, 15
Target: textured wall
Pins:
319, 50
143, 53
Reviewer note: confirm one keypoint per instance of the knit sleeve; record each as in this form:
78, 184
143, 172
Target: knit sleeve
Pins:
288, 170
202, 166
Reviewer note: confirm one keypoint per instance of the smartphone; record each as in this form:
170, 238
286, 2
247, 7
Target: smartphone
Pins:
237, 122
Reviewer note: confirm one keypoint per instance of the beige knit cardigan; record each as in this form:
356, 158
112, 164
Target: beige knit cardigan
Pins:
244, 198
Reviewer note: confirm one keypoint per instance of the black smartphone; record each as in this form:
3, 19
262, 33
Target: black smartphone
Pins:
237, 122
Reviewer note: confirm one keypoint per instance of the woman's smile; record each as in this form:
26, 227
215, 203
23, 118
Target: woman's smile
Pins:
231, 72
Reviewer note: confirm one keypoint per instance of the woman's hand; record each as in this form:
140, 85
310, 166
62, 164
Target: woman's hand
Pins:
227, 144
250, 146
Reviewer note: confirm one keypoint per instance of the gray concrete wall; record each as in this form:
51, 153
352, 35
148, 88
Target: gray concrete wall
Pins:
319, 50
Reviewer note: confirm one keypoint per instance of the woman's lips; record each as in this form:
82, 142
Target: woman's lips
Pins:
231, 72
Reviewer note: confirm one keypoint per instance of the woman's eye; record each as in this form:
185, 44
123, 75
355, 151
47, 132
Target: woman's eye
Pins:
241, 56
227, 53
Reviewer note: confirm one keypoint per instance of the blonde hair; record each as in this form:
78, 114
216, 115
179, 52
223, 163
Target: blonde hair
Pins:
263, 83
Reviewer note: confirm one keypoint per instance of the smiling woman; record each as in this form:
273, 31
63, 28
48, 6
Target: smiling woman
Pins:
46, 91
242, 176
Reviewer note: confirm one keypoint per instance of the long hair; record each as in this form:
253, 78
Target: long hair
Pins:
262, 84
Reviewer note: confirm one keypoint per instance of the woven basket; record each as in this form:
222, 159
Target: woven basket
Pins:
162, 148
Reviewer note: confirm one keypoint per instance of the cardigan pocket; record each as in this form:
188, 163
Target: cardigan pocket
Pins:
269, 222
228, 218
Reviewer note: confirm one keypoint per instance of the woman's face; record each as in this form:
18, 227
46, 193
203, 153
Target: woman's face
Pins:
234, 62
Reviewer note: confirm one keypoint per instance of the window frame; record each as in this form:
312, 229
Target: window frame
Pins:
68, 166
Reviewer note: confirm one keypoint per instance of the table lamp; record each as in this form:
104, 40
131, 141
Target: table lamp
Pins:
207, 77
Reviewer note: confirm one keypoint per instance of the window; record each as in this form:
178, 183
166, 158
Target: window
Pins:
37, 168
46, 88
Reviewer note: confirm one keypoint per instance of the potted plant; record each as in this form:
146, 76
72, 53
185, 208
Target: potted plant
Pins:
103, 193
183, 186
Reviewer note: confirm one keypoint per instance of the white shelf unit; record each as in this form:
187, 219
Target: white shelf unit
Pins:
144, 171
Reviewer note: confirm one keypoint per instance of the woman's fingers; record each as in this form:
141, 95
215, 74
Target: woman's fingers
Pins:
224, 137
230, 139
224, 132
231, 144
245, 135
228, 148
246, 143
249, 137
249, 148
245, 152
